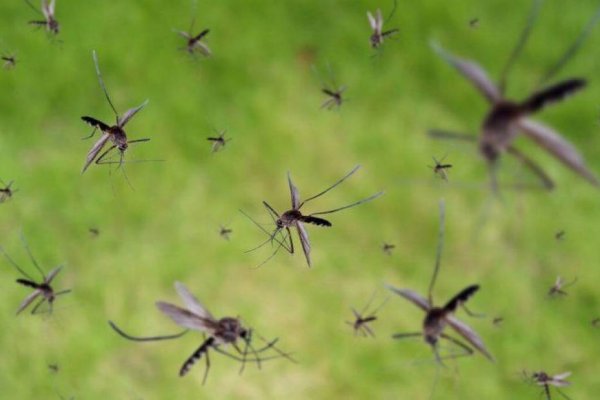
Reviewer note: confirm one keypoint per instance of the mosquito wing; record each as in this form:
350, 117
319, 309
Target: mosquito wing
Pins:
182, 33
91, 156
52, 274
186, 318
129, 114
559, 380
411, 296
48, 9
372, 21
28, 300
469, 334
473, 72
203, 49
379, 21
293, 193
554, 143
191, 302
304, 241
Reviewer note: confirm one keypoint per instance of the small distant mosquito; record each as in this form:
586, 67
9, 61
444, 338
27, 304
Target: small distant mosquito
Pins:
295, 218
49, 20
220, 332
94, 232
474, 23
225, 232
559, 235
507, 119
332, 90
559, 286
440, 169
7, 191
43, 289
10, 61
437, 318
53, 368
543, 379
218, 142
362, 318
377, 23
387, 248
194, 42
596, 322
116, 133
497, 321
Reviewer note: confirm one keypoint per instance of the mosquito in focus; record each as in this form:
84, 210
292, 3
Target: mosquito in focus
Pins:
543, 379
49, 20
332, 90
194, 43
10, 61
220, 332
42, 291
559, 286
115, 134
387, 248
376, 22
507, 119
218, 142
437, 318
440, 169
6, 192
363, 318
225, 232
282, 234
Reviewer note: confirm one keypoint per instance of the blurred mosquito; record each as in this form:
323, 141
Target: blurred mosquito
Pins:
440, 169
332, 90
220, 332
377, 23
295, 218
10, 61
363, 318
543, 379
54, 368
225, 232
506, 119
497, 321
218, 142
94, 232
43, 290
437, 318
559, 286
49, 20
474, 23
387, 248
7, 191
116, 133
194, 43
559, 235
596, 322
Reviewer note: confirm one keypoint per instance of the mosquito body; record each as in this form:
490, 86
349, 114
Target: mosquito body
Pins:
42, 291
6, 192
335, 99
543, 379
113, 133
218, 142
507, 119
294, 218
225, 232
194, 43
363, 318
10, 61
94, 232
440, 169
387, 248
596, 322
559, 286
474, 23
376, 22
560, 235
437, 318
498, 321
49, 21
219, 332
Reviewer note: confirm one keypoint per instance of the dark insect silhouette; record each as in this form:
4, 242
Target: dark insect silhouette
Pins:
225, 232
10, 61
440, 169
596, 322
282, 234
474, 23
543, 379
387, 248
115, 133
49, 20
194, 43
219, 332
437, 318
363, 318
54, 368
42, 291
559, 286
332, 90
376, 22
218, 142
507, 119
7, 191
560, 235
94, 232
498, 321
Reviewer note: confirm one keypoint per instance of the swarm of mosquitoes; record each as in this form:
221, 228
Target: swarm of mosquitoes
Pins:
233, 339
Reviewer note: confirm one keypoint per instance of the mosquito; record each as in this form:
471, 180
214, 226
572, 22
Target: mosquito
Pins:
474, 23
543, 379
559, 286
362, 318
295, 218
437, 318
54, 368
225, 232
94, 232
440, 169
194, 42
498, 321
560, 235
10, 61
332, 90
7, 191
43, 290
387, 248
506, 119
218, 142
596, 322
220, 332
116, 133
49, 20
377, 23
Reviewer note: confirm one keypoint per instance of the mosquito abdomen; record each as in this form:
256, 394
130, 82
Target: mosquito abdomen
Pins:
316, 221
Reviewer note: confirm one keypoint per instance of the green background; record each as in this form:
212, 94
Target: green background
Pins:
260, 86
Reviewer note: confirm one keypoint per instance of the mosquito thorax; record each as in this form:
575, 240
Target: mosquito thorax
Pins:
230, 329
375, 40
53, 26
288, 218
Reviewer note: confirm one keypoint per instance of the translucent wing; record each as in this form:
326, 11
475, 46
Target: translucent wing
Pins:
52, 274
28, 300
304, 240
562, 376
182, 33
185, 318
372, 21
91, 156
203, 48
379, 21
559, 147
47, 8
469, 335
411, 296
191, 302
293, 193
473, 72
129, 114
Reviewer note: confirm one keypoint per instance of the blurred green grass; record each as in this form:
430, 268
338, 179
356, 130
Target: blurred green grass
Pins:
260, 87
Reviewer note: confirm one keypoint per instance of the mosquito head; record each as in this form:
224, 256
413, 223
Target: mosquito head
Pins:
540, 377
53, 26
231, 329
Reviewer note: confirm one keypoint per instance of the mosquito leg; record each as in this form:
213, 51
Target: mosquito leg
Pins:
207, 367
14, 264
467, 349
442, 134
34, 310
532, 166
406, 335
33, 260
145, 339
439, 249
563, 394
91, 135
99, 159
471, 313
373, 197
348, 175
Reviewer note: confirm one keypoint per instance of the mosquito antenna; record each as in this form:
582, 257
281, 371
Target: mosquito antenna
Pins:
271, 345
26, 245
435, 380
535, 9
14, 264
330, 187
145, 339
103, 86
33, 7
271, 235
332, 76
438, 253
391, 13
280, 245
571, 51
376, 195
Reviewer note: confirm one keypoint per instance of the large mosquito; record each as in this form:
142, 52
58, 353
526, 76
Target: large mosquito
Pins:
437, 318
115, 133
377, 23
194, 42
220, 332
543, 379
7, 191
49, 20
332, 90
559, 286
294, 218
219, 141
506, 119
42, 291
363, 318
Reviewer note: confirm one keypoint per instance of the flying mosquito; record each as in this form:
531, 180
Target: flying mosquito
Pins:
440, 169
116, 133
10, 61
437, 318
560, 235
49, 20
377, 23
474, 23
362, 318
596, 322
7, 191
218, 142
331, 89
295, 218
387, 248
559, 286
220, 332
43, 290
507, 119
194, 43
497, 321
225, 232
543, 379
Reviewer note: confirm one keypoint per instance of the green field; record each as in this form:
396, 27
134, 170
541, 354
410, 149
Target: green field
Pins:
261, 87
